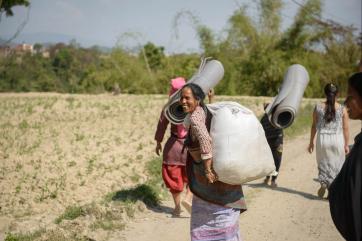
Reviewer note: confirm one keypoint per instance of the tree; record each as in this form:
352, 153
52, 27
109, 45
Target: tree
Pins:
37, 47
6, 5
154, 55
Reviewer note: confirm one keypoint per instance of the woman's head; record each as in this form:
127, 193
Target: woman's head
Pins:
191, 96
331, 91
354, 96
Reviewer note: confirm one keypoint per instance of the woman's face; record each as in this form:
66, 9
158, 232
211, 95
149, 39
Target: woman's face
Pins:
354, 104
188, 100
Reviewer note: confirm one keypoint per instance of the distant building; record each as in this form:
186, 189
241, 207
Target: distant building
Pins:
21, 49
24, 48
45, 54
41, 50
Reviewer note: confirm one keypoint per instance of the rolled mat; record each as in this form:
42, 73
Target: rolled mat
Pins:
283, 108
208, 75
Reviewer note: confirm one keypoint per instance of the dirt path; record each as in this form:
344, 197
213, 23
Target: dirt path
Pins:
290, 212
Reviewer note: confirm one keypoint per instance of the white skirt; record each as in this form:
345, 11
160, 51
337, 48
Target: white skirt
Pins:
330, 156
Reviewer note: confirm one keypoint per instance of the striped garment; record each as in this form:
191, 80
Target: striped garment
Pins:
200, 133
211, 222
216, 207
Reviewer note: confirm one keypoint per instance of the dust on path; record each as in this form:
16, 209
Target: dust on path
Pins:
291, 211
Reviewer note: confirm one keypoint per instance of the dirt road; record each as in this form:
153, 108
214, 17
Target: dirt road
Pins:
292, 211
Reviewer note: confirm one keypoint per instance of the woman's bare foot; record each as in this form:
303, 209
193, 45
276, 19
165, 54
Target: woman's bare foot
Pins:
177, 212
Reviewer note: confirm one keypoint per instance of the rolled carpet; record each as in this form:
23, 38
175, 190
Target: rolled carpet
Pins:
207, 77
283, 108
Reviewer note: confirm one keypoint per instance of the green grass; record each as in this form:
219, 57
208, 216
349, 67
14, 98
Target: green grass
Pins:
302, 122
154, 168
79, 137
71, 164
107, 225
70, 213
149, 193
24, 237
90, 165
24, 125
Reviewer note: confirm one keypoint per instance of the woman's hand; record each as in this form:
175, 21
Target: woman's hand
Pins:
310, 147
346, 149
211, 175
158, 148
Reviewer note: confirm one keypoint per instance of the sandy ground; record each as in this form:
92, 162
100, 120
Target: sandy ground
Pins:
292, 211
61, 150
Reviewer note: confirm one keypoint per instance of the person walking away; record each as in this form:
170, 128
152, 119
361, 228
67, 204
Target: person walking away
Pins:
330, 123
274, 137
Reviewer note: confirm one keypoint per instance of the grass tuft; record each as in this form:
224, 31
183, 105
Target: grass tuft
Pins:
302, 122
70, 213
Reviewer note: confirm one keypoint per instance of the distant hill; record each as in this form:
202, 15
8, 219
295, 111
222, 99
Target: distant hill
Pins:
43, 37
46, 39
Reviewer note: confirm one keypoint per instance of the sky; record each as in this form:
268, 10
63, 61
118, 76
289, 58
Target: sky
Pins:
108, 22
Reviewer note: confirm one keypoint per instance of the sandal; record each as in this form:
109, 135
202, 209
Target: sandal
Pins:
322, 190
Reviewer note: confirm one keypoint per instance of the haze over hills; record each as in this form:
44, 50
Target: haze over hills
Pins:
47, 38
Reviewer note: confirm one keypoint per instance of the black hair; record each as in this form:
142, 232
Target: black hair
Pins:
330, 90
199, 95
197, 92
355, 81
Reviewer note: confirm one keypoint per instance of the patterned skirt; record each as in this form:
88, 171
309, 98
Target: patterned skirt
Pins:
211, 222
330, 156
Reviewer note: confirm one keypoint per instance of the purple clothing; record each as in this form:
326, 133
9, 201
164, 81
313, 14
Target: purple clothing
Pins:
172, 151
211, 222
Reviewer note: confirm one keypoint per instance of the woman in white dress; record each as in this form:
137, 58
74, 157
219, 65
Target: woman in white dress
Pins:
330, 123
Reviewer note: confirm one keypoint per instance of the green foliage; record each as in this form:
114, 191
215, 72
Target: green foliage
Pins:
154, 168
70, 213
154, 55
24, 237
255, 54
6, 5
302, 122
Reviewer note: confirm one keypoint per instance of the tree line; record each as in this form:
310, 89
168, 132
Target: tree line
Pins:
255, 55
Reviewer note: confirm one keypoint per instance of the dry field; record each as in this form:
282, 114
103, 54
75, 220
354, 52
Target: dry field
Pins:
67, 162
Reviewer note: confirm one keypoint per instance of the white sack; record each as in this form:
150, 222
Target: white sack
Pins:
240, 150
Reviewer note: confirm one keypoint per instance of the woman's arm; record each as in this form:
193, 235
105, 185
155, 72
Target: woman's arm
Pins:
160, 132
199, 130
313, 131
345, 130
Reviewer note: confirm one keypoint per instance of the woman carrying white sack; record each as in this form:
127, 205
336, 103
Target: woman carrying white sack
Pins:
216, 206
